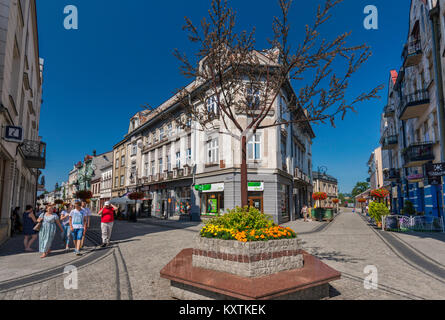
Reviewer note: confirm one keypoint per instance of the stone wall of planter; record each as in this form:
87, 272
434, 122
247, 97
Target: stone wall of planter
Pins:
248, 259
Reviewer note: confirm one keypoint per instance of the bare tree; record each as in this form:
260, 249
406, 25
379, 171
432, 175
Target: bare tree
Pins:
236, 89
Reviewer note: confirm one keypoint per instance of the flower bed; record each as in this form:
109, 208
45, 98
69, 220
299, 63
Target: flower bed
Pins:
245, 225
265, 234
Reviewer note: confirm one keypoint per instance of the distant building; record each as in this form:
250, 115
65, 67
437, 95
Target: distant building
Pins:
328, 184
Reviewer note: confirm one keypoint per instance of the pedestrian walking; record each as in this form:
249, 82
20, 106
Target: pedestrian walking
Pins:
78, 223
304, 213
29, 222
65, 218
48, 230
87, 212
107, 221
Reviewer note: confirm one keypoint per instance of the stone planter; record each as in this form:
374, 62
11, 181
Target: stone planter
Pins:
248, 259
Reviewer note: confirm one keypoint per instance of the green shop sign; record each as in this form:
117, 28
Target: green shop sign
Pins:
216, 187
255, 186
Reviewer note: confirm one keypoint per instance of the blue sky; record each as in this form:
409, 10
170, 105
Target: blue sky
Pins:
121, 57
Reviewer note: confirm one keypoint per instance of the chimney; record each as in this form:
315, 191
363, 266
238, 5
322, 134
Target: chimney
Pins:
94, 153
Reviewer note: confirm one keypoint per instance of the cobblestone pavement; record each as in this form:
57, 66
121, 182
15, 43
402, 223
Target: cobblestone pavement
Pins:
130, 268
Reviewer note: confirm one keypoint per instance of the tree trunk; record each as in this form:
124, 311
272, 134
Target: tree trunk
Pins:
244, 196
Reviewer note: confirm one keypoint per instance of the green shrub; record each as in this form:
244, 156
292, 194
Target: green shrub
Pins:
378, 210
408, 208
242, 219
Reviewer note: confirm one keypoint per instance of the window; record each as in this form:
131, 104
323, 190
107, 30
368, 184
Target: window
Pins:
212, 105
153, 167
161, 134
253, 98
212, 151
122, 181
169, 163
117, 161
178, 160
160, 165
170, 130
122, 161
189, 154
134, 149
254, 147
146, 166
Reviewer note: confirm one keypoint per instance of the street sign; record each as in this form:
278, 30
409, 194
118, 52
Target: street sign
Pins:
435, 169
435, 180
14, 134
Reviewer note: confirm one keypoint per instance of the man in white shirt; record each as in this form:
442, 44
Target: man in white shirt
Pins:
87, 212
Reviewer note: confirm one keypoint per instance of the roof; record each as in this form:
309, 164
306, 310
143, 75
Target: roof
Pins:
318, 176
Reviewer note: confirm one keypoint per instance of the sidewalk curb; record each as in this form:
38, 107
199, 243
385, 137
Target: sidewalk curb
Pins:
394, 234
402, 257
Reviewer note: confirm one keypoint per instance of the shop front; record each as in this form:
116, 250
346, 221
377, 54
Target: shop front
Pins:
168, 200
212, 198
255, 195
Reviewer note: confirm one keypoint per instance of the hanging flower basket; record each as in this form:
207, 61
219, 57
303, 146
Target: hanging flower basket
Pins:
58, 201
84, 195
319, 196
362, 200
335, 201
380, 193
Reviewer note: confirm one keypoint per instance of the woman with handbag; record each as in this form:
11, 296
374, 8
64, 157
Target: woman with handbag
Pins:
48, 221
29, 221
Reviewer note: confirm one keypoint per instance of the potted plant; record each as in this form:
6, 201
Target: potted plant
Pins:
377, 211
408, 208
319, 212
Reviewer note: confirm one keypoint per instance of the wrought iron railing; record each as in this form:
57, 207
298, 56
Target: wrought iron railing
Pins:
411, 48
419, 152
421, 96
413, 223
34, 153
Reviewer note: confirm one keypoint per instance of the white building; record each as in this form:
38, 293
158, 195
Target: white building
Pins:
21, 95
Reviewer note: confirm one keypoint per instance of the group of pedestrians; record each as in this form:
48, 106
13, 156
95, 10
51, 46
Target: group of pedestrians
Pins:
72, 221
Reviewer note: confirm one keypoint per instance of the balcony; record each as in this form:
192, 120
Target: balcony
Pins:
391, 174
412, 53
389, 111
414, 105
418, 154
34, 153
389, 142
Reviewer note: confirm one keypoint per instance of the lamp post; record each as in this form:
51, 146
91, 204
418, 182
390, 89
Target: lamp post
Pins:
434, 14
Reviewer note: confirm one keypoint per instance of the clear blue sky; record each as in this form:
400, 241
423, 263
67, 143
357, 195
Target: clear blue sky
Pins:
98, 76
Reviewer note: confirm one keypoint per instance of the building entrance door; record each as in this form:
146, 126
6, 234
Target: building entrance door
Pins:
257, 203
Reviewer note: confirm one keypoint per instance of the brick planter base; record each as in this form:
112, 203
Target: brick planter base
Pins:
248, 259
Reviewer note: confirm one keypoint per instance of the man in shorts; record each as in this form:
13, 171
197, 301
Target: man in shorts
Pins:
78, 223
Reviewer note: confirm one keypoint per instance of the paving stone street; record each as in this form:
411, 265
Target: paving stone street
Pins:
129, 269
